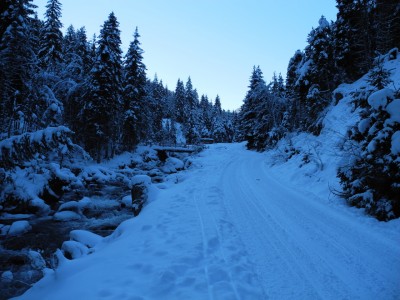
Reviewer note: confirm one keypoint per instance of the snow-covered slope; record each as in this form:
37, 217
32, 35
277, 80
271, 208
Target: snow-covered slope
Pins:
236, 228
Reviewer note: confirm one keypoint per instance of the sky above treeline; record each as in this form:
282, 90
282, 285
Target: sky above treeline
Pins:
215, 42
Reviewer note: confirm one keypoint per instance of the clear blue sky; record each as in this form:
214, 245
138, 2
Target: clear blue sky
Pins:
216, 42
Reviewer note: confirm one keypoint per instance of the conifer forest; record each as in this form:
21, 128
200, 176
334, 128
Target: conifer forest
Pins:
88, 138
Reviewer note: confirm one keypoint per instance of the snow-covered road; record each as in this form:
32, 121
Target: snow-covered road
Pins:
231, 230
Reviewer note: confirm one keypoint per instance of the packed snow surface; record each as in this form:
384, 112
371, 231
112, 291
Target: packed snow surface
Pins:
236, 228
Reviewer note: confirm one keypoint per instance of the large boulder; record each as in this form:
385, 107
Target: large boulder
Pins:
139, 192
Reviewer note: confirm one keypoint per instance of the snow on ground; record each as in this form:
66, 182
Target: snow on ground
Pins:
234, 227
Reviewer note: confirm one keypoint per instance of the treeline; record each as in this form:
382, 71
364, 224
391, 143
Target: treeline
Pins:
339, 52
50, 79
336, 52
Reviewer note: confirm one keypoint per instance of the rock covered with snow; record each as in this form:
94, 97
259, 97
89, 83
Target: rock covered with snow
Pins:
139, 192
173, 165
7, 276
74, 250
65, 216
36, 260
78, 207
19, 227
87, 238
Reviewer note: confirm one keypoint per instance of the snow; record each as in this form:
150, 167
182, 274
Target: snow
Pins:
172, 165
19, 227
239, 228
379, 99
141, 179
37, 261
74, 249
395, 148
86, 238
77, 206
393, 108
7, 276
323, 23
65, 216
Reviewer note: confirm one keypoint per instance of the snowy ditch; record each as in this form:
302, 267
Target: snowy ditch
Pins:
94, 203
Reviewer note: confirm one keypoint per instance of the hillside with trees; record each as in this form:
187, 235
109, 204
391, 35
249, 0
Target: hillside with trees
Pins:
338, 53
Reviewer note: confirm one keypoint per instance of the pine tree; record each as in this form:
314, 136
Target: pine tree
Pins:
217, 105
387, 25
180, 102
248, 113
136, 111
17, 66
103, 106
190, 114
50, 52
354, 37
371, 175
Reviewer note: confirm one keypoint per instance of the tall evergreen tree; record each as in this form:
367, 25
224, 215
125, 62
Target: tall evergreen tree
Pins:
103, 106
50, 52
248, 113
180, 102
17, 63
354, 37
136, 111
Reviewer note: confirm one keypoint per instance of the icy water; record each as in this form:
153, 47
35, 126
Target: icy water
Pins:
46, 237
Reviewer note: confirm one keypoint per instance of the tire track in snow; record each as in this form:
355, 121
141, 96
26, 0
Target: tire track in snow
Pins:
204, 242
302, 235
230, 274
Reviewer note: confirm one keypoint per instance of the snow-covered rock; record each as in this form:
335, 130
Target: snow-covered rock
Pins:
19, 227
36, 259
74, 249
65, 216
7, 276
141, 179
77, 206
139, 192
85, 237
173, 165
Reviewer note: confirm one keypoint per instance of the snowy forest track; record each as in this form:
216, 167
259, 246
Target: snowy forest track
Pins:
301, 247
228, 229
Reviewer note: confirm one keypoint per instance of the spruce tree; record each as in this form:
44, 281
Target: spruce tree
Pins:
50, 52
103, 106
17, 68
180, 102
248, 113
136, 111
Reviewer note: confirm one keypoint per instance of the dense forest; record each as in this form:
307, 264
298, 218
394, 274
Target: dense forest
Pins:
105, 98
